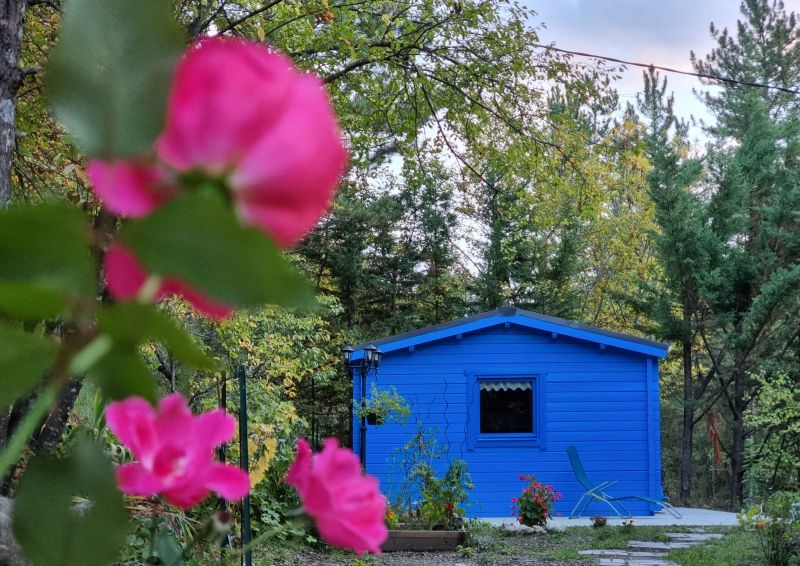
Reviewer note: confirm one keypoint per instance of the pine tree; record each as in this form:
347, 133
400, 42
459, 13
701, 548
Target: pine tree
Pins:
429, 202
685, 247
493, 281
754, 208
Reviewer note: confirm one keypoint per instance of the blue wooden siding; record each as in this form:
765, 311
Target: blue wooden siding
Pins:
603, 401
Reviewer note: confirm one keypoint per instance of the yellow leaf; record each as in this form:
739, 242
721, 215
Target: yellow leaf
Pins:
261, 466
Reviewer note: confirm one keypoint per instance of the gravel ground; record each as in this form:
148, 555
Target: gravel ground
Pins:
513, 551
420, 559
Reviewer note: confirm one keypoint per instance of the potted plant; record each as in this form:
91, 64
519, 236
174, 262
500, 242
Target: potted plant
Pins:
535, 505
383, 406
435, 522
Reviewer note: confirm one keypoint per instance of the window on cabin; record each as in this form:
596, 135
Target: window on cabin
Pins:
506, 406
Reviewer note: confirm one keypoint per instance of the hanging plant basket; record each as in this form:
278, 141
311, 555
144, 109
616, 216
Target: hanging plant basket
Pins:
374, 418
423, 541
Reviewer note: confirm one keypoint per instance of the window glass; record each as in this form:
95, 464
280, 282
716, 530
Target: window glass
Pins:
506, 406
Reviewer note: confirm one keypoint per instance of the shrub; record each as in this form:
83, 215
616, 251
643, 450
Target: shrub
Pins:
443, 500
777, 528
535, 506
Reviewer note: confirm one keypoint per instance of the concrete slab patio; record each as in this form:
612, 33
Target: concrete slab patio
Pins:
691, 518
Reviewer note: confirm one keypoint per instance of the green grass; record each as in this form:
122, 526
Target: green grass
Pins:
566, 545
617, 537
738, 548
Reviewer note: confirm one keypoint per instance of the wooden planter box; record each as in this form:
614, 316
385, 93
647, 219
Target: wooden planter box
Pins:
423, 541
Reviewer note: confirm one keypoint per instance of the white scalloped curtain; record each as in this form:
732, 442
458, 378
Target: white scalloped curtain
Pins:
505, 385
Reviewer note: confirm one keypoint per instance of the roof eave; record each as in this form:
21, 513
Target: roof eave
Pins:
494, 318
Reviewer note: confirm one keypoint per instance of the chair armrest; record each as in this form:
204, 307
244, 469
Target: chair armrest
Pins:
602, 486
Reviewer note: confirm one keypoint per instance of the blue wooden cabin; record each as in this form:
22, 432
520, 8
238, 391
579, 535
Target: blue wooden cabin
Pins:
507, 390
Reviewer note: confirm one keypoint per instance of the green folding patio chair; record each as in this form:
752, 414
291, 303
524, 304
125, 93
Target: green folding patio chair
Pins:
597, 492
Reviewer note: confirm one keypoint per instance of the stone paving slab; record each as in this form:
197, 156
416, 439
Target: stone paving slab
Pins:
694, 537
653, 545
621, 553
626, 562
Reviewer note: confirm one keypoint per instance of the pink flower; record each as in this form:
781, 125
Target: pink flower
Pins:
242, 115
126, 276
174, 451
130, 187
346, 505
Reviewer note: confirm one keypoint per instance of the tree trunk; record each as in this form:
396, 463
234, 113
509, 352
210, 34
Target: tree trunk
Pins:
687, 444
737, 450
11, 15
5, 415
49, 435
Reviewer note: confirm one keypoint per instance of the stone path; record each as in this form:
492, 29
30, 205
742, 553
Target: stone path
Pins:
650, 553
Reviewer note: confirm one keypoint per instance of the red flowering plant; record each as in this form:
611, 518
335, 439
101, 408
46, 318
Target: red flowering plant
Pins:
206, 162
535, 505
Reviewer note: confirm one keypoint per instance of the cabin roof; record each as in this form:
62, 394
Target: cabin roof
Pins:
520, 317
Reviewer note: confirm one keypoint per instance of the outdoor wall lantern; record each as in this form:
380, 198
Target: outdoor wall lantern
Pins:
370, 360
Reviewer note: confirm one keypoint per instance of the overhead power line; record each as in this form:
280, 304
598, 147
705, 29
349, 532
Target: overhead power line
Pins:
726, 80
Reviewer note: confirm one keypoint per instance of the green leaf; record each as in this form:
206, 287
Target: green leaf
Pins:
134, 323
167, 548
109, 75
46, 246
122, 373
46, 524
30, 302
198, 239
23, 360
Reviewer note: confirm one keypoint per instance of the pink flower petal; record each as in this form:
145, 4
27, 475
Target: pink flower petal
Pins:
286, 181
135, 479
225, 95
128, 188
174, 420
299, 472
359, 537
186, 495
179, 451
131, 421
125, 276
230, 482
340, 465
347, 506
167, 462
202, 304
218, 425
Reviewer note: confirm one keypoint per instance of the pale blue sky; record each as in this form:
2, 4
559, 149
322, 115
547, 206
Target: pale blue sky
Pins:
662, 32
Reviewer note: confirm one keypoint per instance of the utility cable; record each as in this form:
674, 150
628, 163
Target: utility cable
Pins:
726, 80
